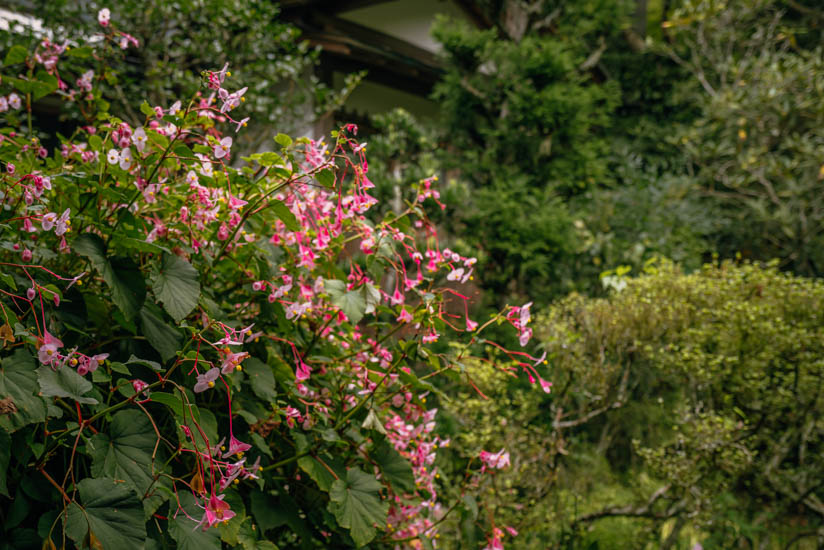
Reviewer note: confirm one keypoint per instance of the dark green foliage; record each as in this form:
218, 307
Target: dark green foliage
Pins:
686, 400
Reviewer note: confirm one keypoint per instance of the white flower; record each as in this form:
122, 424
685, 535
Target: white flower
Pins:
103, 16
139, 139
112, 156
14, 101
126, 158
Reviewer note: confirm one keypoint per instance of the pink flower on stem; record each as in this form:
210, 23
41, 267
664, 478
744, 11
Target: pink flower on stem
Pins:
14, 101
223, 147
104, 16
206, 380
217, 511
497, 460
232, 362
471, 325
236, 447
241, 124
48, 349
405, 317
61, 225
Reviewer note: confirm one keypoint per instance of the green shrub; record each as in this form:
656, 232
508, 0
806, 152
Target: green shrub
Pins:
684, 405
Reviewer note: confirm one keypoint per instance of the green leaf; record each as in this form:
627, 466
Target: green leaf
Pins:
131, 243
170, 400
81, 53
164, 338
9, 280
125, 452
146, 109
158, 139
95, 143
371, 296
283, 140
357, 505
121, 274
185, 532
326, 178
16, 54
353, 305
319, 473
18, 382
285, 215
177, 286
113, 513
261, 379
396, 469
44, 85
64, 382
353, 302
5, 458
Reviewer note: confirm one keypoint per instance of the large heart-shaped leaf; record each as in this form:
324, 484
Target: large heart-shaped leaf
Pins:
164, 338
352, 303
111, 511
64, 382
121, 274
125, 452
396, 469
177, 286
18, 390
357, 505
261, 378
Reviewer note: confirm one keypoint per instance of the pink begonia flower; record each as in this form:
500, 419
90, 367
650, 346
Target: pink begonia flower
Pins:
405, 317
236, 447
546, 386
4, 104
230, 101
175, 108
232, 361
10, 168
26, 255
126, 39
223, 232
113, 156
241, 124
217, 511
62, 223
90, 364
14, 101
524, 315
48, 349
302, 372
47, 222
525, 335
471, 325
236, 203
126, 159
497, 460
222, 148
397, 298
139, 139
139, 386
206, 380
455, 274
85, 81
104, 16
31, 293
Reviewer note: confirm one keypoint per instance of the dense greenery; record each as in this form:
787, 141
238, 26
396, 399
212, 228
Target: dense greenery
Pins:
685, 408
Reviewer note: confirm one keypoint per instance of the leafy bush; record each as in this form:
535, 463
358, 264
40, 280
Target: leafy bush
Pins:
683, 406
196, 353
